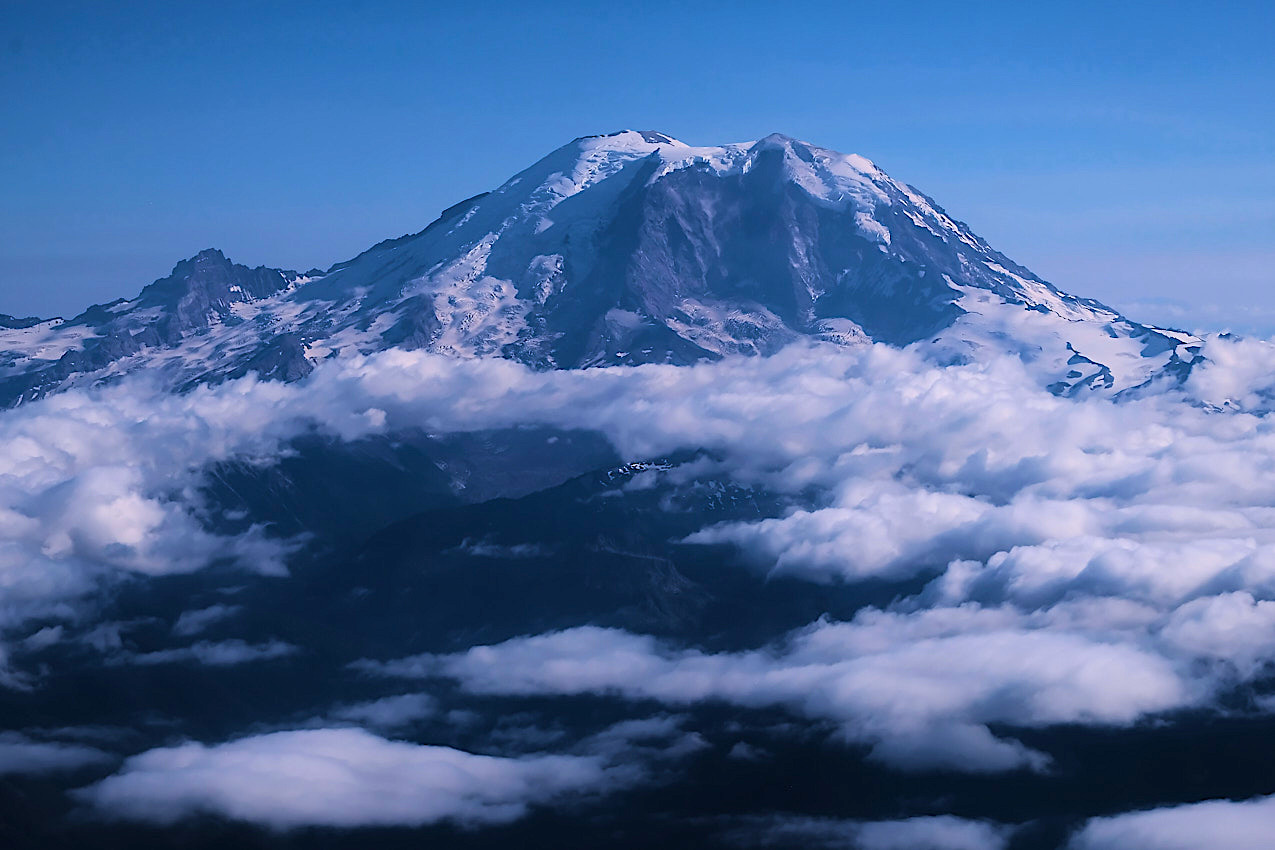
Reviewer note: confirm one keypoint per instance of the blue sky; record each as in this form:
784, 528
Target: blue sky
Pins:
1123, 153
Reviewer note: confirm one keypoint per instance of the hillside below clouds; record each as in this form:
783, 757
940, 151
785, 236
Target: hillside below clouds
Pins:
622, 249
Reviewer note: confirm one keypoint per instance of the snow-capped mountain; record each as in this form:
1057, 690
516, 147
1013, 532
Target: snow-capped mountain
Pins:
621, 249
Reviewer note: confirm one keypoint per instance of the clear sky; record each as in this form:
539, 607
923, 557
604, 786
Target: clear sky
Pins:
1123, 150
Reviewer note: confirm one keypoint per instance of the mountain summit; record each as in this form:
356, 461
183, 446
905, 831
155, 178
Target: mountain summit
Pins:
621, 249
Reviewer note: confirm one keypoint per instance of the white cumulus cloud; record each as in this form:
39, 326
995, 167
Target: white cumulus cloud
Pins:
1213, 824
921, 690
340, 777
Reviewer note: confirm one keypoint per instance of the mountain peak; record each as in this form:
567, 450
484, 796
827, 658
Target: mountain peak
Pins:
776, 140
633, 247
621, 138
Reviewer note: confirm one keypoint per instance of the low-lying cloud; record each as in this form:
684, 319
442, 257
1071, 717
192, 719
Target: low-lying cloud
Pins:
1084, 560
198, 619
20, 754
1215, 824
937, 832
222, 653
349, 777
391, 712
920, 690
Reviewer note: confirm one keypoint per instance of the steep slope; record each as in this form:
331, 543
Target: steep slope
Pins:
187, 325
622, 249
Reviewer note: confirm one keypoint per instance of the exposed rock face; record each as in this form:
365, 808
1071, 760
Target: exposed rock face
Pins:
201, 293
282, 359
204, 288
15, 323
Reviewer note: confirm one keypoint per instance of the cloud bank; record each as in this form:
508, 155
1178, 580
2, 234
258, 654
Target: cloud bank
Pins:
342, 778
1216, 824
1083, 560
921, 690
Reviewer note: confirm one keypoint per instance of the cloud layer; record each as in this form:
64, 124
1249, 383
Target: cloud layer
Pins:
340, 777
1083, 561
919, 689
1216, 824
